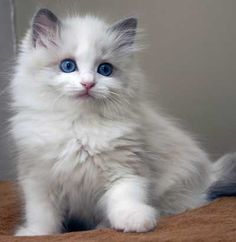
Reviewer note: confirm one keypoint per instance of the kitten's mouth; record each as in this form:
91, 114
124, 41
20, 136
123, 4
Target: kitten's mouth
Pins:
83, 95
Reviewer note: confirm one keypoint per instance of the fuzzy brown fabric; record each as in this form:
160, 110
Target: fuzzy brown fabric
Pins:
214, 222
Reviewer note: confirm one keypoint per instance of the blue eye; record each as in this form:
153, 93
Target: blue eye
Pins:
68, 65
105, 69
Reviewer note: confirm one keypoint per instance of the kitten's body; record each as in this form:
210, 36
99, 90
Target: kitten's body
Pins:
114, 163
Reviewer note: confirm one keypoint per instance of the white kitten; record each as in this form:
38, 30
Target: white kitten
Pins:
89, 146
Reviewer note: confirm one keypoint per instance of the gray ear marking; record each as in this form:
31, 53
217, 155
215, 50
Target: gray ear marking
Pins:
44, 27
125, 30
126, 24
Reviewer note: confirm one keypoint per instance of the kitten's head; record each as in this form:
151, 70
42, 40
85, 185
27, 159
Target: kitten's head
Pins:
80, 60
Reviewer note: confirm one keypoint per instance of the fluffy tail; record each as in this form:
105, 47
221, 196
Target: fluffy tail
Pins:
224, 182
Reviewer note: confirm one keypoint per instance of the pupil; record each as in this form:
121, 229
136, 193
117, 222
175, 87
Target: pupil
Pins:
106, 69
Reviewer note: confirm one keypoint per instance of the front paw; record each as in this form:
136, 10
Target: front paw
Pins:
133, 217
24, 231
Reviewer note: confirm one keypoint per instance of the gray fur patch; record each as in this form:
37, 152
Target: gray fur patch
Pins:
226, 185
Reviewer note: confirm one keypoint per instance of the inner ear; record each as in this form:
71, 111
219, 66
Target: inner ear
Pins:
45, 28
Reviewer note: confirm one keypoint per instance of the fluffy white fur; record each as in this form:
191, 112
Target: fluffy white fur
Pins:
109, 159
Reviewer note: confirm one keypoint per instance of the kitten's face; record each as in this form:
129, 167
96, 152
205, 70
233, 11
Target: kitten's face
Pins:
83, 58
84, 66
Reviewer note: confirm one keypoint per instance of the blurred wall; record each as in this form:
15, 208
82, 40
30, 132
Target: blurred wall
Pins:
190, 61
6, 62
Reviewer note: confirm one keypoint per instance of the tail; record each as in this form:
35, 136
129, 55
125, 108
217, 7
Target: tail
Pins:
224, 182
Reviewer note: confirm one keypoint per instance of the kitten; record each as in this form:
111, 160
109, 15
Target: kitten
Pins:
90, 146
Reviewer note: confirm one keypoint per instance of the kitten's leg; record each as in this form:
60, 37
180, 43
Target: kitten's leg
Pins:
41, 215
126, 206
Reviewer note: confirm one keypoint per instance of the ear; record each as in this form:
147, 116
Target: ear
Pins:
45, 28
125, 32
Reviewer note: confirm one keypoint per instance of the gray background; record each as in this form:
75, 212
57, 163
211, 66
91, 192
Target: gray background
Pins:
6, 60
189, 61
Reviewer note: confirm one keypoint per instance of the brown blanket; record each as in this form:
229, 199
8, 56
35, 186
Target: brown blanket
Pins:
214, 222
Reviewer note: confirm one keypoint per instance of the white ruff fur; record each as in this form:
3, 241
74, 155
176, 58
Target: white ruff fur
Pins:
109, 160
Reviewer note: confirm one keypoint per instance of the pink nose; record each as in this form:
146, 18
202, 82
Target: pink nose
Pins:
88, 85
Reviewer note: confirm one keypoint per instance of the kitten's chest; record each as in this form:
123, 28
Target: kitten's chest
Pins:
89, 142
83, 162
